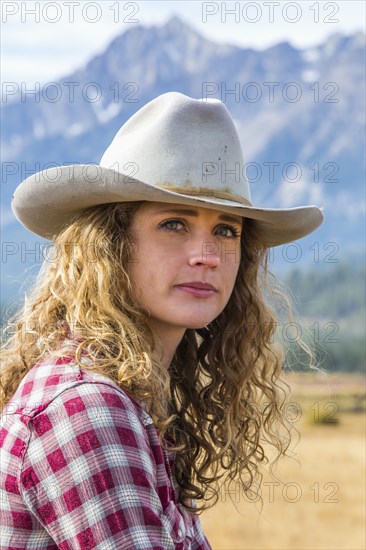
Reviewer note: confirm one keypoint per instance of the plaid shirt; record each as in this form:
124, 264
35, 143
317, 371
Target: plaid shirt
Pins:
81, 467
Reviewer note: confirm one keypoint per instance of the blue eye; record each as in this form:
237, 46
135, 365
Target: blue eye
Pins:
170, 225
228, 231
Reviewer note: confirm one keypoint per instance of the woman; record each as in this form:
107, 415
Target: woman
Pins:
142, 372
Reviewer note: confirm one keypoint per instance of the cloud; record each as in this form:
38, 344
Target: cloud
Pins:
297, 187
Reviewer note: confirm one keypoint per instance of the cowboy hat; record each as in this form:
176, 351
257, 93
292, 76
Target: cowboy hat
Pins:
175, 149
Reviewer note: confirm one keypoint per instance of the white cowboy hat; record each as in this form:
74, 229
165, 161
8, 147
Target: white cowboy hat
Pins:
175, 149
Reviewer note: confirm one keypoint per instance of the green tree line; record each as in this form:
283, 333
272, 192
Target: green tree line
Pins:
331, 303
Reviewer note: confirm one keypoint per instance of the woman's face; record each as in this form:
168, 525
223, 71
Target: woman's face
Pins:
184, 264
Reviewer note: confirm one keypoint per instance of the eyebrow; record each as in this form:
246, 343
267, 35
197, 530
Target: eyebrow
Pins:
183, 211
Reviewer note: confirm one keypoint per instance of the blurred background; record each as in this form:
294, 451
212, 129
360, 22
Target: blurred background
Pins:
292, 75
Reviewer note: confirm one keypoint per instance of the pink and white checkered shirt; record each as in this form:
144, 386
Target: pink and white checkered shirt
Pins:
81, 467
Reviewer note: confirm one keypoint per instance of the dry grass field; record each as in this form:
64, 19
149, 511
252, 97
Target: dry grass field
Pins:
318, 502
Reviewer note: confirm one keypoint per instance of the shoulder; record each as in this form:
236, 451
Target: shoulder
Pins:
90, 423
58, 383
97, 400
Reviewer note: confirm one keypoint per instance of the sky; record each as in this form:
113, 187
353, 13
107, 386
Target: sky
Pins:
42, 41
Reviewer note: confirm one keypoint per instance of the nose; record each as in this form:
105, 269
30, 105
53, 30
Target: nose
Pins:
204, 252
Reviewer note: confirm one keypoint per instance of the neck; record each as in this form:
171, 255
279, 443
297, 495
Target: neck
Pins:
167, 340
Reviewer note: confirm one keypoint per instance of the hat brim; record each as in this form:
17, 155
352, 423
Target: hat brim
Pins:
47, 201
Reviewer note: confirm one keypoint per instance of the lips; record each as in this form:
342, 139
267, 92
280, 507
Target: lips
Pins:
199, 285
198, 288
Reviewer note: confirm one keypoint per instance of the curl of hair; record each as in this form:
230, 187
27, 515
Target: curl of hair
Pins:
222, 399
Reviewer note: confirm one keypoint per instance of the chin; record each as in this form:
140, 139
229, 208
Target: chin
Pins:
199, 323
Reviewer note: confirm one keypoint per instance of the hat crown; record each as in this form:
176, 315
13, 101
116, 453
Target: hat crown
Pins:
181, 143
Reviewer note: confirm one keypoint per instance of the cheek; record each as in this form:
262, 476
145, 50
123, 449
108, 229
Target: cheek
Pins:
231, 267
152, 267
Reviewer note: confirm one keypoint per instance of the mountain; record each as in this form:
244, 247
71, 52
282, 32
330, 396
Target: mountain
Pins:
300, 115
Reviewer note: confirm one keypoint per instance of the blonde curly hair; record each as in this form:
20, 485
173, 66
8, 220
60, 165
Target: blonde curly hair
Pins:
221, 399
